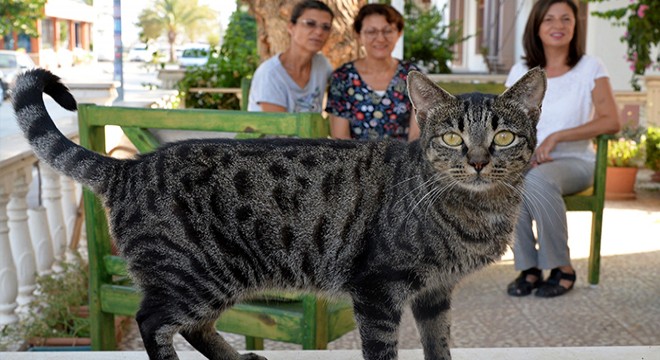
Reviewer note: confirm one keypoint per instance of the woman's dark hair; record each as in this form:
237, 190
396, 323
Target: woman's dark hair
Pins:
391, 16
309, 4
534, 54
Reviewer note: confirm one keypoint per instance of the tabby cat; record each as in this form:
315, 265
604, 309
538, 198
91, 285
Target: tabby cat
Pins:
204, 224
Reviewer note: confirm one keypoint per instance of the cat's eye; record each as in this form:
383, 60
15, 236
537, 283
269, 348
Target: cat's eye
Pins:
504, 138
452, 139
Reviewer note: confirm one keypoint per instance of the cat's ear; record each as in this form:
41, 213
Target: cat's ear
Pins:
425, 94
529, 90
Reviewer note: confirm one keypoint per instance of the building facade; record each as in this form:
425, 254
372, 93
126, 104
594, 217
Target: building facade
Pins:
64, 35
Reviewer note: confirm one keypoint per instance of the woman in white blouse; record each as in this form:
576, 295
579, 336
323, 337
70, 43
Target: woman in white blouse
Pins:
578, 106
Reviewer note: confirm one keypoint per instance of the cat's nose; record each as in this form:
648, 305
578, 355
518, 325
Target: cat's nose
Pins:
478, 164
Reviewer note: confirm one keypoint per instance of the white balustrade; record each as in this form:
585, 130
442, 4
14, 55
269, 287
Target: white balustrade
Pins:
19, 237
8, 277
41, 240
52, 200
69, 205
26, 246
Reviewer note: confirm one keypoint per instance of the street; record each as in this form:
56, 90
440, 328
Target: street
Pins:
137, 78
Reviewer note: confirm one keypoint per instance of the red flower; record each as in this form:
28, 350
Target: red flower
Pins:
359, 116
356, 82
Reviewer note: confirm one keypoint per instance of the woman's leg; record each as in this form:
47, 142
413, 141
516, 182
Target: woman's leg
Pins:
545, 185
525, 254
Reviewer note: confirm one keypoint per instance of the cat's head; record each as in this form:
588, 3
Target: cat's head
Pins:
477, 141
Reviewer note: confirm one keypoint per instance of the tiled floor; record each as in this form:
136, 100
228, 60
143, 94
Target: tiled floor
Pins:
624, 309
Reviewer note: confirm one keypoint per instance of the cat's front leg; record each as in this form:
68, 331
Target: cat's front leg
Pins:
378, 322
431, 312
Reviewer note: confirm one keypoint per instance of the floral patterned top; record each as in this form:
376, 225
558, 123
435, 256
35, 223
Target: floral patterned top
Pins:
372, 116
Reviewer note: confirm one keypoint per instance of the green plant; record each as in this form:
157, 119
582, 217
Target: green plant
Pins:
21, 16
428, 41
641, 19
628, 150
237, 58
653, 148
55, 310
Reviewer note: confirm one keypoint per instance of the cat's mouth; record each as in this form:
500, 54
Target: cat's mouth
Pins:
477, 182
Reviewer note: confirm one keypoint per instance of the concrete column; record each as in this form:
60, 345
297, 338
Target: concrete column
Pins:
52, 199
8, 276
19, 237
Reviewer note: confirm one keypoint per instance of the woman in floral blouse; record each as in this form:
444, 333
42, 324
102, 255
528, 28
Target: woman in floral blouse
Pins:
368, 98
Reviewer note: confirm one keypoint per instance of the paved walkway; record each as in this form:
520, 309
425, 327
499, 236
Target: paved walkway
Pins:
623, 310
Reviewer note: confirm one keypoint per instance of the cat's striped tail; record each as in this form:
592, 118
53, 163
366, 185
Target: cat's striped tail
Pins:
49, 144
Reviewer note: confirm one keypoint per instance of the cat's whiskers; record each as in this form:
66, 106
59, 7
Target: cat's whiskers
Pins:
437, 177
539, 199
439, 192
409, 193
402, 182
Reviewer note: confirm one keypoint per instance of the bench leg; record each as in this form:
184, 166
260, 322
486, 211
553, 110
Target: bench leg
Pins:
254, 343
594, 253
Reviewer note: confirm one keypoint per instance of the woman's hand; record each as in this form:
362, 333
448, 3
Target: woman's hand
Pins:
542, 152
340, 127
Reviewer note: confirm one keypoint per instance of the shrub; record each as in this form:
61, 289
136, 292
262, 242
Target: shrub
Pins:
653, 148
427, 41
236, 59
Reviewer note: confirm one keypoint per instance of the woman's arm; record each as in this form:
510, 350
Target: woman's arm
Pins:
340, 127
605, 121
268, 107
413, 131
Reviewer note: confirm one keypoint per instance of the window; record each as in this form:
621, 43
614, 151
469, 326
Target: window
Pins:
47, 36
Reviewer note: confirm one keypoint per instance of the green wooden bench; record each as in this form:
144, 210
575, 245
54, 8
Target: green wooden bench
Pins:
591, 199
297, 318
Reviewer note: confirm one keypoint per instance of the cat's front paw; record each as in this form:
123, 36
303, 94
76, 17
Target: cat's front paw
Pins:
252, 356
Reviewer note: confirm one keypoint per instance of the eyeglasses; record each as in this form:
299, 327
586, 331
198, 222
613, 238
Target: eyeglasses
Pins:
372, 34
311, 25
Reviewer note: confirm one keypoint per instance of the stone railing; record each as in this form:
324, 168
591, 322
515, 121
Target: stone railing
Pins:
35, 238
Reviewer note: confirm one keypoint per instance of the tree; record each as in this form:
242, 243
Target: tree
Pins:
273, 16
20, 16
175, 17
428, 41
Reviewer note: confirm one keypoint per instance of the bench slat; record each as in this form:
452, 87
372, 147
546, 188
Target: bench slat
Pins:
286, 124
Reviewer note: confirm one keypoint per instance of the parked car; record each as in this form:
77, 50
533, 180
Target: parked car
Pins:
12, 63
141, 52
197, 55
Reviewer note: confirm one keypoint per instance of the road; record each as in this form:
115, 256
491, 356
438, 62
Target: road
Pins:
137, 79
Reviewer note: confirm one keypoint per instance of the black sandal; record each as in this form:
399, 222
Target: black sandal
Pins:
551, 287
521, 287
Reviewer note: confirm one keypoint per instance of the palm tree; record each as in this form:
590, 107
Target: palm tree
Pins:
175, 17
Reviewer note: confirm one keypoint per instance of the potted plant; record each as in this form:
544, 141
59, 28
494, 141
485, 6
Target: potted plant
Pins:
624, 157
653, 151
59, 315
